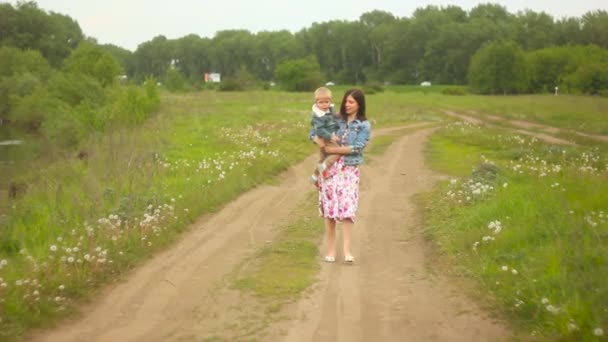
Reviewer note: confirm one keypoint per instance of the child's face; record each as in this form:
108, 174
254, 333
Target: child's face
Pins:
323, 103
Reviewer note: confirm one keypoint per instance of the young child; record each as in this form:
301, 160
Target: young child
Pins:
324, 125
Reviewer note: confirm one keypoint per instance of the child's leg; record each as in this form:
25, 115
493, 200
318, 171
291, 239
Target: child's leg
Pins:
322, 156
319, 141
316, 173
330, 159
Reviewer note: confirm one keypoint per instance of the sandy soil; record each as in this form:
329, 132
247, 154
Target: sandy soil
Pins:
395, 291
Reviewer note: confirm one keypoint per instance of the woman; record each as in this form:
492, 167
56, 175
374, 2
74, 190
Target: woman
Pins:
339, 191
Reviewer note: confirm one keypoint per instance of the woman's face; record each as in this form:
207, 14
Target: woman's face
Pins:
351, 106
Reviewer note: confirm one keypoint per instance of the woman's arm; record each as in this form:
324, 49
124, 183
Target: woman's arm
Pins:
355, 146
338, 149
362, 138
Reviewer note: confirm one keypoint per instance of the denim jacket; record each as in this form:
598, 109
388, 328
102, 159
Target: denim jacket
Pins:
324, 126
355, 135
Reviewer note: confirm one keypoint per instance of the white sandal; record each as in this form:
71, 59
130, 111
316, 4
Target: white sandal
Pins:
349, 259
330, 258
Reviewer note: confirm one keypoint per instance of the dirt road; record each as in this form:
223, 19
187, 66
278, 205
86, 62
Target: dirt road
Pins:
391, 293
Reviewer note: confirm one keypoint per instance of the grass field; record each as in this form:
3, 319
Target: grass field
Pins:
84, 221
529, 222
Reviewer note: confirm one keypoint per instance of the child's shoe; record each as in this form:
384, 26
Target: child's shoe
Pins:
313, 179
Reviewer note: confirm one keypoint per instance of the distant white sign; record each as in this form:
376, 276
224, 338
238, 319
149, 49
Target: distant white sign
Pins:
425, 84
214, 77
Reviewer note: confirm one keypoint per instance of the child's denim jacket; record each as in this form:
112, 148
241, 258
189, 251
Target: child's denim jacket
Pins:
355, 135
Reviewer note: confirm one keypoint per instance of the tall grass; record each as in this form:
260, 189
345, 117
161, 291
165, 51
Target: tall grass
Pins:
529, 221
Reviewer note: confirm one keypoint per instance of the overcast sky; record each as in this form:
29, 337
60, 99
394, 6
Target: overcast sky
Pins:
127, 23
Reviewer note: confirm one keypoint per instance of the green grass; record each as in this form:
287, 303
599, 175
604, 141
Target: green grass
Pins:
288, 266
554, 226
580, 113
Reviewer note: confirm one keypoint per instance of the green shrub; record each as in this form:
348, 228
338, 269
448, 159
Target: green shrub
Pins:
76, 88
230, 85
454, 91
373, 87
64, 128
174, 80
299, 75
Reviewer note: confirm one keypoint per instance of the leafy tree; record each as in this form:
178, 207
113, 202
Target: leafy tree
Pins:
590, 78
192, 56
153, 58
535, 30
94, 61
299, 75
21, 73
231, 49
568, 31
595, 28
377, 26
28, 27
272, 48
123, 56
499, 68
76, 88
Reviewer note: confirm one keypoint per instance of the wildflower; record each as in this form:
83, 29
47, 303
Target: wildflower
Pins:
19, 282
3, 263
504, 185
598, 332
61, 287
71, 259
514, 271
572, 326
545, 301
505, 268
552, 309
53, 248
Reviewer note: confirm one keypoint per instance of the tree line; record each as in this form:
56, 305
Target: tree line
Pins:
488, 48
436, 44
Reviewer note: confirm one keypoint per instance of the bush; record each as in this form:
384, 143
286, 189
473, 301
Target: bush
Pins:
454, 91
230, 85
64, 127
74, 89
299, 74
174, 80
30, 111
373, 87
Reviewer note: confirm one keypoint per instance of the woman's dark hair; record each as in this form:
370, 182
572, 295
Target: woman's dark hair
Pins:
359, 97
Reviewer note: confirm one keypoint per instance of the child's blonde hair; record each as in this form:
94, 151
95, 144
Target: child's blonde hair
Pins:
322, 92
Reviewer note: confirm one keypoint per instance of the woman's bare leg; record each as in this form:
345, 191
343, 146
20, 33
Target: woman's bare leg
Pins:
330, 237
347, 230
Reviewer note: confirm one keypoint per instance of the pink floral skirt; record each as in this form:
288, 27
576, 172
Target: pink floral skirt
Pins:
339, 192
